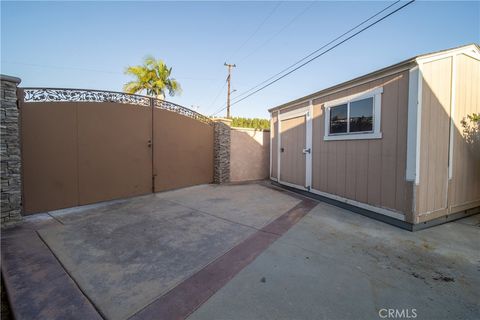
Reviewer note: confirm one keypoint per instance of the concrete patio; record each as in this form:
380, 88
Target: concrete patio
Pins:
123, 255
335, 264
224, 252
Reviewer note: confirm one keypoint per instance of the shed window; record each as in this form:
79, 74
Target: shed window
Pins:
354, 117
361, 115
338, 119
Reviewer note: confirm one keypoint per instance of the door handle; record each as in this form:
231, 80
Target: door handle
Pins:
306, 150
282, 150
149, 143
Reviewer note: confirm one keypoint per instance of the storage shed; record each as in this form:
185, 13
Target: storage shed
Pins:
389, 144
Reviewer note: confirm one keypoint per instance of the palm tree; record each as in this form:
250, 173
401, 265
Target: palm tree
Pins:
153, 77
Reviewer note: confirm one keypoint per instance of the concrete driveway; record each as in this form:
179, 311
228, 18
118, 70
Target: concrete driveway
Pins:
248, 251
335, 264
125, 255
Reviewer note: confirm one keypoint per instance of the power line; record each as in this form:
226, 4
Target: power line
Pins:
322, 47
317, 56
326, 51
257, 29
89, 70
59, 67
279, 31
309, 55
218, 94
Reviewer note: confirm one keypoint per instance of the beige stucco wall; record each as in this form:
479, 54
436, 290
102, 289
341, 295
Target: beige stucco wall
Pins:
249, 154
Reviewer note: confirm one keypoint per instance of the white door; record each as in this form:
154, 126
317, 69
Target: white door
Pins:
295, 148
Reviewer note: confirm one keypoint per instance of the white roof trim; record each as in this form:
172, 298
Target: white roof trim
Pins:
471, 50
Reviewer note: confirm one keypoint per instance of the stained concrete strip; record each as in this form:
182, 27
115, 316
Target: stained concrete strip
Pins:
123, 261
126, 255
37, 285
337, 265
190, 294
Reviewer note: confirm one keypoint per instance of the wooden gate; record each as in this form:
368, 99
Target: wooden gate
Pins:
183, 151
81, 147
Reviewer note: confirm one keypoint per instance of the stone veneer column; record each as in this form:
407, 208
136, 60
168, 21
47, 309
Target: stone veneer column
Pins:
222, 150
11, 182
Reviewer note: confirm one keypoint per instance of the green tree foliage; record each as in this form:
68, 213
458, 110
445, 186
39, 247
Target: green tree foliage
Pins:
471, 132
254, 123
154, 77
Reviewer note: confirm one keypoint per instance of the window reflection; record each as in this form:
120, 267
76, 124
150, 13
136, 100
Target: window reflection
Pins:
338, 119
361, 115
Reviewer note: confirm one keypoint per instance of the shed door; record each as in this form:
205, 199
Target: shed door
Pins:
292, 151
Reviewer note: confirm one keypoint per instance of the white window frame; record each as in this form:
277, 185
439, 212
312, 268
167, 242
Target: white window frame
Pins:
376, 94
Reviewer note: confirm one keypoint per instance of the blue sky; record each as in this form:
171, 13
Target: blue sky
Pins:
89, 44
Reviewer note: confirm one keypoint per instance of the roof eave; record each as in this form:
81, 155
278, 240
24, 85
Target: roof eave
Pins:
402, 64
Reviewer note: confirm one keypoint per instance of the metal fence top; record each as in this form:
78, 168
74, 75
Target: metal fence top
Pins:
32, 94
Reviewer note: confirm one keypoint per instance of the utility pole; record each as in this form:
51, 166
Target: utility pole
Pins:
229, 66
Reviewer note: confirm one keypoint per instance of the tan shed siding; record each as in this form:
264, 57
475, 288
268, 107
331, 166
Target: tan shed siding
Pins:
465, 183
431, 193
274, 145
294, 107
367, 171
404, 189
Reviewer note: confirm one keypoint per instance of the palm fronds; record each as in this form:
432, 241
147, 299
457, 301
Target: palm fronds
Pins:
154, 77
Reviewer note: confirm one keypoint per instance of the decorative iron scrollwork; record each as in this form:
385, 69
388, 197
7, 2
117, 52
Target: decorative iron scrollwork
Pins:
78, 95
81, 95
170, 106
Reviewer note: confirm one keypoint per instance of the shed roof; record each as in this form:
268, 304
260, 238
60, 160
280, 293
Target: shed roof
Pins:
408, 63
